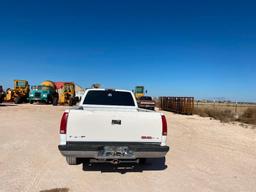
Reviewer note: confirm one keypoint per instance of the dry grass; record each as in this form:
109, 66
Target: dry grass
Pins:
222, 115
226, 115
238, 109
249, 116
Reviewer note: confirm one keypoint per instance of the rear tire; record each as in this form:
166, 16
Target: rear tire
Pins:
48, 101
143, 161
31, 101
71, 102
72, 160
1, 98
55, 101
17, 100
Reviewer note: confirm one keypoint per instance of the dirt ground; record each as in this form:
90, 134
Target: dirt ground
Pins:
205, 155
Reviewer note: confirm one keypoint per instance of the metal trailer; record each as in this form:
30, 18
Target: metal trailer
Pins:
181, 105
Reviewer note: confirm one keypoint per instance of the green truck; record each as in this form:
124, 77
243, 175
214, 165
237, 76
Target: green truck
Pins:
43, 94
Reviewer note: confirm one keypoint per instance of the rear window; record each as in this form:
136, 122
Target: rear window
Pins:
20, 84
105, 97
146, 98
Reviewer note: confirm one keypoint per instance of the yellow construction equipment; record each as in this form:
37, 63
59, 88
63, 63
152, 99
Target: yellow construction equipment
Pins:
139, 91
20, 92
67, 94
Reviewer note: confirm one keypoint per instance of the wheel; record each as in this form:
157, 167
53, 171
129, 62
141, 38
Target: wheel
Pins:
71, 102
49, 99
143, 161
31, 101
1, 98
17, 100
55, 101
71, 160
24, 100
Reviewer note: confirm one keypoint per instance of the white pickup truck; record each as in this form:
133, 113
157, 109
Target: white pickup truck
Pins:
108, 126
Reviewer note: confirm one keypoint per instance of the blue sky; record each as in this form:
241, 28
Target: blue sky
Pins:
195, 48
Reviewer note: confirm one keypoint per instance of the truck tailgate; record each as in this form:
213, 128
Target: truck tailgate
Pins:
114, 126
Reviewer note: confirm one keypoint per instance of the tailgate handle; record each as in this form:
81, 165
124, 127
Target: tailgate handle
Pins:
116, 122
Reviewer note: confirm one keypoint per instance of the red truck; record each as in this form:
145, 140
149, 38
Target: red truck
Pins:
146, 102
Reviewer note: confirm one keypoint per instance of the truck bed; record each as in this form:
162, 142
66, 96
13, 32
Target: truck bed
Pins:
113, 125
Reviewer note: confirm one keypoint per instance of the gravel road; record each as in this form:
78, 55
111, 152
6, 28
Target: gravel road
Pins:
205, 155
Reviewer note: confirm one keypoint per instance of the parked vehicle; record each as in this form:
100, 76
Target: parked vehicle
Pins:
44, 93
2, 94
146, 102
20, 92
67, 93
108, 126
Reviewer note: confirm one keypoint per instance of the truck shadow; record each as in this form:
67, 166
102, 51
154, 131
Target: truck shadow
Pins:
7, 105
150, 165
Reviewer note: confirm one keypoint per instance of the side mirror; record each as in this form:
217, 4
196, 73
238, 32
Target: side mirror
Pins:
133, 91
77, 99
146, 91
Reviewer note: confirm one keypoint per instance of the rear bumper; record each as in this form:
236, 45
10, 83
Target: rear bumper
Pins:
92, 149
37, 99
151, 107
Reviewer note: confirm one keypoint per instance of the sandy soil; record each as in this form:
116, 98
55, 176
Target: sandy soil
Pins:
205, 155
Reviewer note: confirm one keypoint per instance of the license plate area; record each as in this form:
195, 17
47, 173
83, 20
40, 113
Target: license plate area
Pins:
116, 152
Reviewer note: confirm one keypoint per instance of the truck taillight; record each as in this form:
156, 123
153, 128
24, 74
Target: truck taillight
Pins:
63, 123
164, 126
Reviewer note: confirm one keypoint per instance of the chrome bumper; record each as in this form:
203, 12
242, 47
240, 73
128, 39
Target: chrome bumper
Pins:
94, 150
